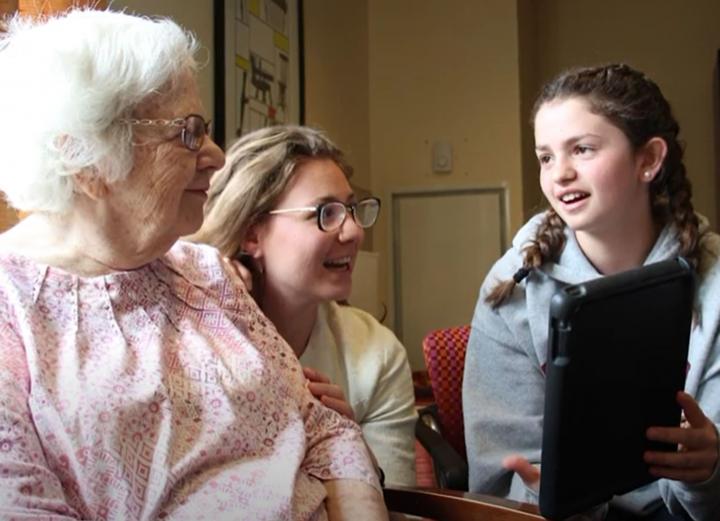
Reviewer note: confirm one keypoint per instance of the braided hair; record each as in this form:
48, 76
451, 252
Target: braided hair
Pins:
633, 103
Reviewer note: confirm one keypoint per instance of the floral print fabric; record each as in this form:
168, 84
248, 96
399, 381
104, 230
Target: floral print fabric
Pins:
158, 393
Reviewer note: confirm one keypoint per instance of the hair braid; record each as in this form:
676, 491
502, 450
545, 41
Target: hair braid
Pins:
547, 245
671, 196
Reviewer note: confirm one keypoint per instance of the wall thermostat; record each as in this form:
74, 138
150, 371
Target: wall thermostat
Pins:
442, 157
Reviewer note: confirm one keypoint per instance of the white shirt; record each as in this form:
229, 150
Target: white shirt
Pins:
370, 364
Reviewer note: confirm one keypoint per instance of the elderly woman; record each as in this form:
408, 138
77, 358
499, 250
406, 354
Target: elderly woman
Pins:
136, 382
284, 207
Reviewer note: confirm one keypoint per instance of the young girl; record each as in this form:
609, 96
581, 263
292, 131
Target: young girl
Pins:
283, 206
611, 168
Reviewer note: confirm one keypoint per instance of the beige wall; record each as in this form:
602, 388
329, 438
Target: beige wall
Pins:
443, 70
674, 42
336, 77
533, 200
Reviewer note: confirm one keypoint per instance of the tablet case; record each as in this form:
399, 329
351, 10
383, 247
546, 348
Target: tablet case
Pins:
617, 355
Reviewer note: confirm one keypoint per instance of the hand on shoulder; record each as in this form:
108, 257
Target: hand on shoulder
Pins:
238, 273
330, 394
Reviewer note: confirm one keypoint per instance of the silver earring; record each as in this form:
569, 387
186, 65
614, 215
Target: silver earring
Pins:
647, 175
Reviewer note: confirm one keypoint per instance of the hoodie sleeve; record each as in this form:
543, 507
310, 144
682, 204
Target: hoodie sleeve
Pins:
503, 397
701, 501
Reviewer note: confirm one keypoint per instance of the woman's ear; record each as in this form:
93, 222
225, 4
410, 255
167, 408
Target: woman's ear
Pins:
251, 244
651, 157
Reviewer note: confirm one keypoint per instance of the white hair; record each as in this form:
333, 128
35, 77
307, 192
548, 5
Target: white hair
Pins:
64, 85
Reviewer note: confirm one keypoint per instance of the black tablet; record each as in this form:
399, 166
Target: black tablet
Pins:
617, 355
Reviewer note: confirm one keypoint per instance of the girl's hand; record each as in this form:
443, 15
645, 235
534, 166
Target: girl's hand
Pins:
239, 272
697, 454
330, 394
531, 477
527, 472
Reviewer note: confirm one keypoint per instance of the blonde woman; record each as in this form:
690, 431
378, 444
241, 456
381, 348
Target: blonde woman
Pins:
283, 206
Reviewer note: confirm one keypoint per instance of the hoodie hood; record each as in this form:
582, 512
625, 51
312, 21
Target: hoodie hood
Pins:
573, 267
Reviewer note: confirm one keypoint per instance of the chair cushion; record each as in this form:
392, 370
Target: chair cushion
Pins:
444, 351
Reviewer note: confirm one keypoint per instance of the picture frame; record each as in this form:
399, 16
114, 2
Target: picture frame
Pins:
259, 69
716, 121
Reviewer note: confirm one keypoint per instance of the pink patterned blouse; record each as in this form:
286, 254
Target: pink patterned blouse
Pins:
158, 393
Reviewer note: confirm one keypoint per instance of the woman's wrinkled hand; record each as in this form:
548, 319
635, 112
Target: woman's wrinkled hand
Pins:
697, 454
239, 272
330, 394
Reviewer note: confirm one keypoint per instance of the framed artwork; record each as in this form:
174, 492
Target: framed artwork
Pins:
716, 111
258, 65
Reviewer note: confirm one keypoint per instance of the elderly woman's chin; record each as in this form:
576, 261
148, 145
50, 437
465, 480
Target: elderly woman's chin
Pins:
190, 216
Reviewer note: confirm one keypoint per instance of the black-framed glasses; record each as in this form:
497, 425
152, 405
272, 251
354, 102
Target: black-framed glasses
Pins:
194, 128
332, 214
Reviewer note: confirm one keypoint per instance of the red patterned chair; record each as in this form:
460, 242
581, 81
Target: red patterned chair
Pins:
440, 429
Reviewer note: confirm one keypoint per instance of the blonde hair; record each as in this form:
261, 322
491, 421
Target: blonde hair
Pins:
258, 167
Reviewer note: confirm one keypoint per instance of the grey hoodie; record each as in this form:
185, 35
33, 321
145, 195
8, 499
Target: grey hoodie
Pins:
504, 382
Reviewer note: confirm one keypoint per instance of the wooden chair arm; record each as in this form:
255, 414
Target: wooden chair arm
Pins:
451, 505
